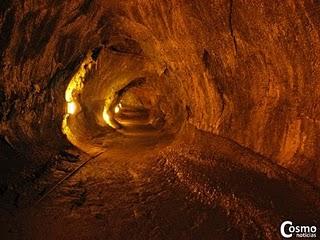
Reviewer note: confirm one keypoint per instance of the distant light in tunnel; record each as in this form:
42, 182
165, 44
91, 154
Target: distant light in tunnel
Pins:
106, 117
71, 108
117, 109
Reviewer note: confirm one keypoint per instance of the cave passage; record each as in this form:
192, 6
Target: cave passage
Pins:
132, 107
158, 119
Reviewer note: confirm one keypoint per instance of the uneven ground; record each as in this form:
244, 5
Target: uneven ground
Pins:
203, 117
211, 188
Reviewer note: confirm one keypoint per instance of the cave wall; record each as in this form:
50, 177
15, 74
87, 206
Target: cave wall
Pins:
246, 70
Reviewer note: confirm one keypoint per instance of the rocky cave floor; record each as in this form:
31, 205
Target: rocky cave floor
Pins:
205, 188
158, 119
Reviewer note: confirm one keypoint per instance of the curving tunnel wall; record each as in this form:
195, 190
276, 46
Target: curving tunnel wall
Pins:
222, 89
120, 96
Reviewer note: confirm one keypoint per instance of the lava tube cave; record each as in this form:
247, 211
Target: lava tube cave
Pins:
167, 119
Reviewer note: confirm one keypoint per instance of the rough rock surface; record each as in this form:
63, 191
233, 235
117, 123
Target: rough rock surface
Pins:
246, 72
249, 71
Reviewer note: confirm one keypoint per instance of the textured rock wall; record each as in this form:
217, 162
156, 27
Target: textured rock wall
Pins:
245, 70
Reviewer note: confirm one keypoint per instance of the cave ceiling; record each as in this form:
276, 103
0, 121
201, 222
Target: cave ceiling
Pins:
158, 119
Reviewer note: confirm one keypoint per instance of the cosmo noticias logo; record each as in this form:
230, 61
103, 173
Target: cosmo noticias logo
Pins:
289, 230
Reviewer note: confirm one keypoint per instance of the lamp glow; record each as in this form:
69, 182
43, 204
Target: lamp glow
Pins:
71, 108
117, 109
106, 116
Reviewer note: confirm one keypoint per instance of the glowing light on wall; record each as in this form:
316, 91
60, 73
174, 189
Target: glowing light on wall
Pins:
108, 119
106, 116
74, 89
76, 84
71, 108
117, 109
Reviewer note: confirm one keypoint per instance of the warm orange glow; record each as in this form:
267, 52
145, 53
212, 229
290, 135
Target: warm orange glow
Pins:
117, 109
75, 85
106, 117
74, 89
71, 108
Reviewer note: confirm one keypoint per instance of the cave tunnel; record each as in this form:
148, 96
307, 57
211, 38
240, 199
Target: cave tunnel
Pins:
159, 119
